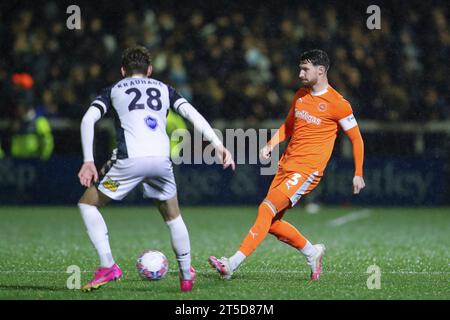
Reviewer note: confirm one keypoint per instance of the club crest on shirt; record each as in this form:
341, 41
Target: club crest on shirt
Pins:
299, 100
111, 184
151, 122
322, 106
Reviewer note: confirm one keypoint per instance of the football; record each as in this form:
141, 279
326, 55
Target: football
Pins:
152, 265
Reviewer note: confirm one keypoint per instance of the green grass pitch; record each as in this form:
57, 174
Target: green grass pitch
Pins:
411, 246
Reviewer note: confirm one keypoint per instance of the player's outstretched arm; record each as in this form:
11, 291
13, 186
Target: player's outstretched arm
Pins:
187, 111
284, 132
88, 172
225, 156
358, 157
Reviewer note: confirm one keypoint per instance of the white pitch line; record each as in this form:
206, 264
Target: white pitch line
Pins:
352, 216
247, 271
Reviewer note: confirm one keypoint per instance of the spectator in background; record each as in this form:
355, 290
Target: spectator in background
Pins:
433, 105
241, 50
174, 122
31, 135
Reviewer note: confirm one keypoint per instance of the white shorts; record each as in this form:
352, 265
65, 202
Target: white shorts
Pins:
155, 173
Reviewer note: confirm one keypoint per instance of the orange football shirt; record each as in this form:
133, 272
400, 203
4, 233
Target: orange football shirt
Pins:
312, 123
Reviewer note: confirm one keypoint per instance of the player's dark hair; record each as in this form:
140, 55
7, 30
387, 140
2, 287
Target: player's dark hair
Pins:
317, 57
136, 59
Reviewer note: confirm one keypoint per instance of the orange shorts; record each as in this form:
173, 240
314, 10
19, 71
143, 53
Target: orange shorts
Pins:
295, 184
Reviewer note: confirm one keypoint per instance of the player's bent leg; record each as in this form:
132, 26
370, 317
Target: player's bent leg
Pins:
169, 209
92, 196
179, 237
108, 271
287, 233
295, 186
275, 201
260, 229
226, 266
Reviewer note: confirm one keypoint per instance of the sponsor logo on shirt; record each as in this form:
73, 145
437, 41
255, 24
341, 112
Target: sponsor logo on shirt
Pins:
111, 184
307, 117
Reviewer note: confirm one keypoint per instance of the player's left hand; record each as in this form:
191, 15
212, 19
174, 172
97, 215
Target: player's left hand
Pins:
265, 152
88, 174
358, 184
225, 156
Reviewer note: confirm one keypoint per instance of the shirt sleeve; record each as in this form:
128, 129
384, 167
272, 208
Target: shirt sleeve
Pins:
287, 128
358, 149
103, 101
181, 106
348, 123
345, 116
91, 116
175, 99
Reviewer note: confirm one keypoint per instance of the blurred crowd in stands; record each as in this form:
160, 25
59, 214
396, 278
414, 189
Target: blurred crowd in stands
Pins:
233, 60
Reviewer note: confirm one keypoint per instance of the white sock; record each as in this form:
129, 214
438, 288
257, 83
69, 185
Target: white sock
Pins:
98, 233
308, 250
179, 238
236, 260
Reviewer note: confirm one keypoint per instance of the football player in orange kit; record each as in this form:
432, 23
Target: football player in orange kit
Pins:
316, 112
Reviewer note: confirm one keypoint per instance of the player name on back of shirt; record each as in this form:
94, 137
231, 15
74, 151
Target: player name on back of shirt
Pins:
133, 82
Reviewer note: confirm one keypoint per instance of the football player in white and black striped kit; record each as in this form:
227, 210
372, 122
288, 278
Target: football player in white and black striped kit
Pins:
140, 105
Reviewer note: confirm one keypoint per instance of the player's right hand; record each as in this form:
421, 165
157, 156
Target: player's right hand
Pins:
358, 184
225, 156
88, 174
266, 152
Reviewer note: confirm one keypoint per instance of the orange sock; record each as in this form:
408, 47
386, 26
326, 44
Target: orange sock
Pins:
287, 233
259, 230
275, 201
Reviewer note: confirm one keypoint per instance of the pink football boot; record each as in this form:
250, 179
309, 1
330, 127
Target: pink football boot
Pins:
186, 285
102, 276
222, 266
